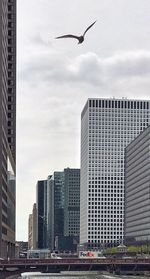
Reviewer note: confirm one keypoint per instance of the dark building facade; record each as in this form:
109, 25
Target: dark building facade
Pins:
58, 210
58, 204
66, 243
71, 202
41, 202
50, 213
7, 126
63, 210
55, 208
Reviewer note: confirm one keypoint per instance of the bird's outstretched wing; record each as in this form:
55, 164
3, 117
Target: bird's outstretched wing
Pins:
68, 36
89, 27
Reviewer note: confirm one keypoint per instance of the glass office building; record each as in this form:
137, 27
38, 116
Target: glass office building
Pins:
41, 202
72, 202
55, 208
63, 209
107, 127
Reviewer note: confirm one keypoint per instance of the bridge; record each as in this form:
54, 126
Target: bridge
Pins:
117, 266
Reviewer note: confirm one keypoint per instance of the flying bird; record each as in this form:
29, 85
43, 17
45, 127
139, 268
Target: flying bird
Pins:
79, 38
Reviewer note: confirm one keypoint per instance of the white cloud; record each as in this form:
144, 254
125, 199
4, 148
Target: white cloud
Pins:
89, 68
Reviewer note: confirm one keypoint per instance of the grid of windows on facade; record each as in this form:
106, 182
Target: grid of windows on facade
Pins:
137, 182
74, 218
74, 190
11, 75
127, 104
110, 130
8, 126
72, 202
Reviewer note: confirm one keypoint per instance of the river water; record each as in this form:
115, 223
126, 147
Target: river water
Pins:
80, 275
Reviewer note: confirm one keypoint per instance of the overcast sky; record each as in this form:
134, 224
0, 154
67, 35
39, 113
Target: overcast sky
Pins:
56, 77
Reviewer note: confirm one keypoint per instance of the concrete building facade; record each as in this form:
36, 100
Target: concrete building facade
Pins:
137, 188
107, 127
32, 229
7, 127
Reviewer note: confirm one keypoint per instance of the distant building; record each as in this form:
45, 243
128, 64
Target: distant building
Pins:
63, 209
58, 204
71, 202
107, 127
137, 188
34, 226
50, 213
32, 229
41, 202
55, 208
7, 127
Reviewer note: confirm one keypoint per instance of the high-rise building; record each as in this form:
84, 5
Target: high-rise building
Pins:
50, 212
137, 188
71, 202
41, 202
63, 209
32, 229
107, 127
7, 126
55, 208
58, 203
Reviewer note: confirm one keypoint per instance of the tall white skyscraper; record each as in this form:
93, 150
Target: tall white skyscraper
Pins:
107, 127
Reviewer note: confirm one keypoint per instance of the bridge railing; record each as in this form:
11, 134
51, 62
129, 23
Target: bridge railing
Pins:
18, 262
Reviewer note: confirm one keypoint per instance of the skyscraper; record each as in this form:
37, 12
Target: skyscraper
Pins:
55, 208
137, 188
107, 127
71, 202
63, 209
7, 126
32, 228
50, 212
41, 202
